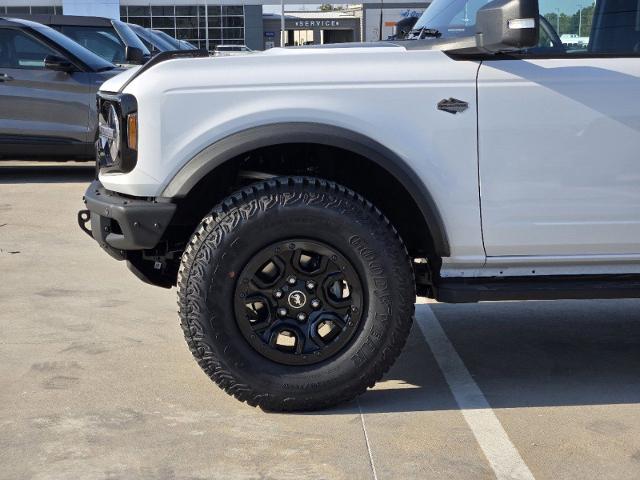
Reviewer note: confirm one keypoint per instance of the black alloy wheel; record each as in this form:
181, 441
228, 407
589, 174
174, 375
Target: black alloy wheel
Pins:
298, 302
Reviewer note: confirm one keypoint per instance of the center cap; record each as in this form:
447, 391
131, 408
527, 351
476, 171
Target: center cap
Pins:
297, 299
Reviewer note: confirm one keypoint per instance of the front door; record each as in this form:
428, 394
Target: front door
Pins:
36, 104
559, 137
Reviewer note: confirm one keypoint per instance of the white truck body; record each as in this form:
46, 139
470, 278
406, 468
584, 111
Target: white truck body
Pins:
539, 176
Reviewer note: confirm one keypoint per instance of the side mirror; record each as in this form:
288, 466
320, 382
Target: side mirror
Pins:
507, 25
134, 55
59, 64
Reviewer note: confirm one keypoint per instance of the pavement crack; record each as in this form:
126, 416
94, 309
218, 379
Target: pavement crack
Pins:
366, 439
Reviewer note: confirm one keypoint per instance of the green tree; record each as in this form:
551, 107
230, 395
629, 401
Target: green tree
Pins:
571, 24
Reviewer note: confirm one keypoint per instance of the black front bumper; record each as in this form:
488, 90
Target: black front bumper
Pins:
120, 224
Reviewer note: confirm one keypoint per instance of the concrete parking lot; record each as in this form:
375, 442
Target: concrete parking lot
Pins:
97, 383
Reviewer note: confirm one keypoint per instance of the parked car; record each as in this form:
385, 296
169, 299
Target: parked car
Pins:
179, 44
48, 86
154, 42
231, 50
403, 28
184, 45
111, 39
298, 211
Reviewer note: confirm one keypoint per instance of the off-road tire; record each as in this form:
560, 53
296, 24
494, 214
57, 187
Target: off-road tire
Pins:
275, 210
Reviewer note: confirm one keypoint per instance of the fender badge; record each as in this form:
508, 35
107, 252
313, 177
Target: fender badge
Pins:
452, 105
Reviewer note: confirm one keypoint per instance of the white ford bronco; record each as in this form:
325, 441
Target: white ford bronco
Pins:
299, 198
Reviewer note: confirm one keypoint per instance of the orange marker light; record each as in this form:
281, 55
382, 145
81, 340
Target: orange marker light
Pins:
132, 131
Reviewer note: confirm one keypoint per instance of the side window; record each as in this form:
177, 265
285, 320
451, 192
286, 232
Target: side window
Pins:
601, 26
19, 50
104, 42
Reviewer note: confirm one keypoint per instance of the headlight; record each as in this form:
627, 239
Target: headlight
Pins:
109, 133
117, 142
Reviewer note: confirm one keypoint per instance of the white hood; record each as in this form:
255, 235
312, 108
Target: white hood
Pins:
115, 83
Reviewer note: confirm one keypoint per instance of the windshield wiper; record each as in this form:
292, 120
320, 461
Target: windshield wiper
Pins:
420, 33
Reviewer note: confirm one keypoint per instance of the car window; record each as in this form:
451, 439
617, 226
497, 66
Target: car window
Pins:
19, 50
102, 41
600, 27
66, 44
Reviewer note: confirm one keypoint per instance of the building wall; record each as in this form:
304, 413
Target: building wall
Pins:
97, 8
204, 25
25, 7
347, 28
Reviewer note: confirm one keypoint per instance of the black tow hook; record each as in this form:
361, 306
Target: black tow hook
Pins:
84, 217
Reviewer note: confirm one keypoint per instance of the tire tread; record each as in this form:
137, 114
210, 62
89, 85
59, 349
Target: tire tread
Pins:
192, 266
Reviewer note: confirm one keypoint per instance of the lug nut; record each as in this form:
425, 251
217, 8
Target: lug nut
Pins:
301, 317
315, 303
311, 285
277, 294
282, 312
291, 280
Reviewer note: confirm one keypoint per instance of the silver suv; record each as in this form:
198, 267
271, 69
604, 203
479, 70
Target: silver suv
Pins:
48, 86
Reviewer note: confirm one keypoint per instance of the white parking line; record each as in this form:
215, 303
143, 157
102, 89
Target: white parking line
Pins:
502, 455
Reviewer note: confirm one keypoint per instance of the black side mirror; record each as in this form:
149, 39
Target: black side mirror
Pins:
507, 25
59, 64
134, 55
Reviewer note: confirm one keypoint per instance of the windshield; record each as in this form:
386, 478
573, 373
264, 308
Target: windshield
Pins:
451, 18
129, 37
87, 57
168, 38
102, 41
153, 41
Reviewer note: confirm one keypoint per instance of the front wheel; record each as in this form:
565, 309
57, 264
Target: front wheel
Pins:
295, 294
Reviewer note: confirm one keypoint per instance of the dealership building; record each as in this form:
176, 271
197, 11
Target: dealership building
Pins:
207, 24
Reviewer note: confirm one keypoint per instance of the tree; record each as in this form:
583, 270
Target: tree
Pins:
571, 23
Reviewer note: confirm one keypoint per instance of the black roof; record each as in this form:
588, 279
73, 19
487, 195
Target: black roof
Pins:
66, 20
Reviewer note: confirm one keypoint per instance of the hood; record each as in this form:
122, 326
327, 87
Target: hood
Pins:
278, 67
330, 48
115, 83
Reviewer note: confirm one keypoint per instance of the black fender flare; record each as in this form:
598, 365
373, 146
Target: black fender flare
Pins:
245, 141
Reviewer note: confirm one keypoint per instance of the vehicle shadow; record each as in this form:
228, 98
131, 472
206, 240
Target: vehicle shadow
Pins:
521, 354
13, 172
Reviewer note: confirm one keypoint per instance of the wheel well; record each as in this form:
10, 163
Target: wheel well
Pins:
343, 166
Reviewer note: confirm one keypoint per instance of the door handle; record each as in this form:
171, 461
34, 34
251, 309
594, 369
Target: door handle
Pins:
5, 78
